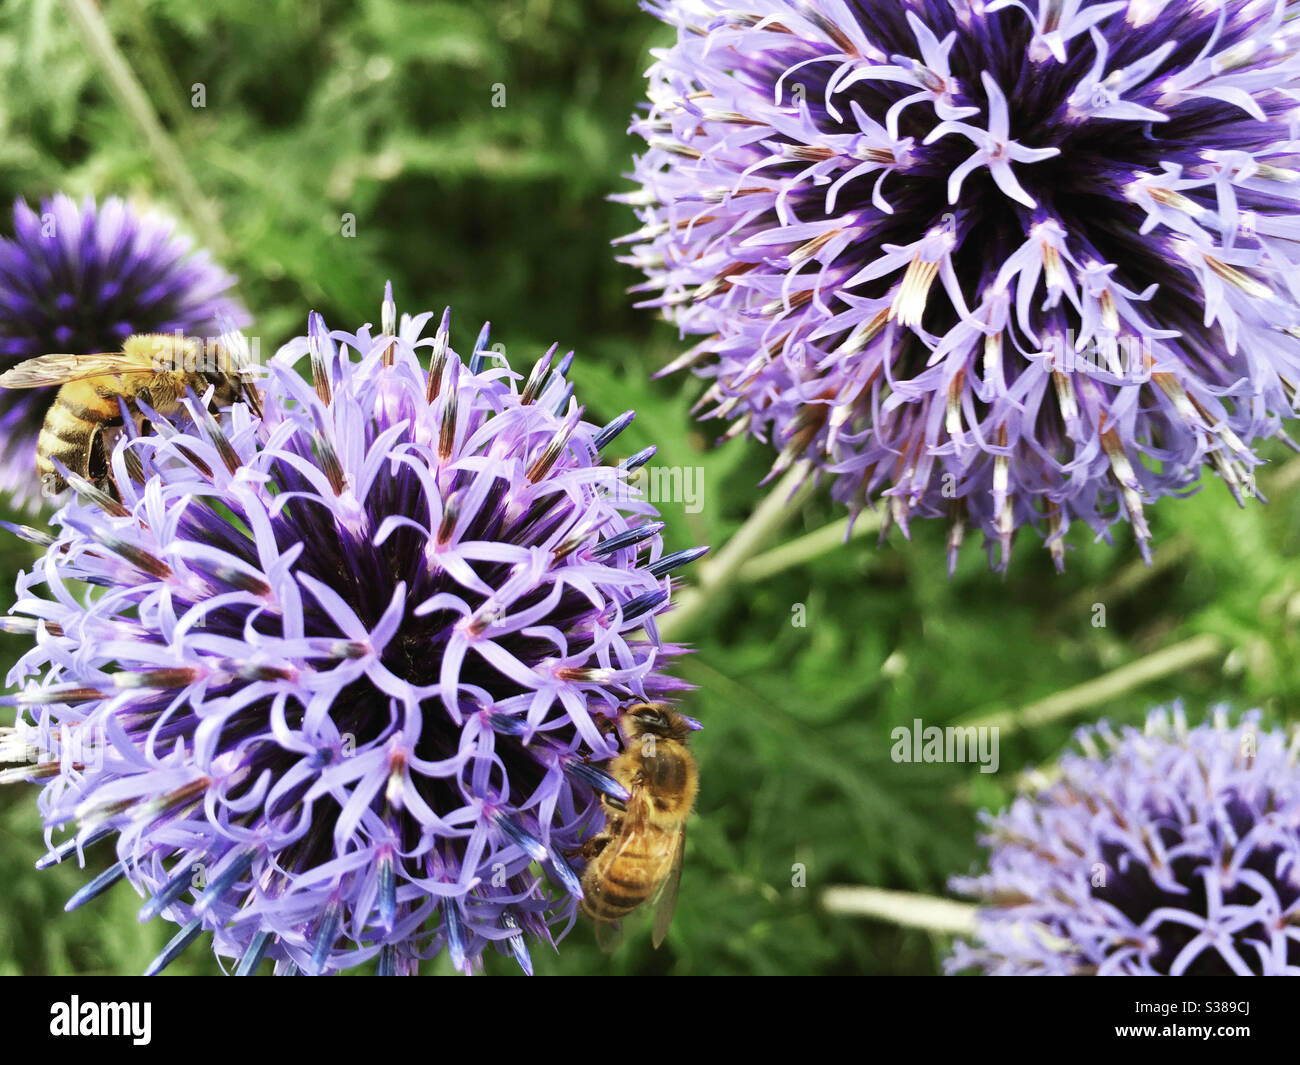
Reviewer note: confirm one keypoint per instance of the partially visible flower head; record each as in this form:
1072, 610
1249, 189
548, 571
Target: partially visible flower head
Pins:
349, 660
78, 280
1173, 852
1011, 263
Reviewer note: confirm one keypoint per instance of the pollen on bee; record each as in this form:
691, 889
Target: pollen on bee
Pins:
163, 352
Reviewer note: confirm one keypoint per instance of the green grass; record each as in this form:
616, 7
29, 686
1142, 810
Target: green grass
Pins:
382, 110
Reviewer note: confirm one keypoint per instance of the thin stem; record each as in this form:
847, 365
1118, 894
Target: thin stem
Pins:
1108, 686
904, 908
807, 547
718, 572
126, 87
156, 70
823, 541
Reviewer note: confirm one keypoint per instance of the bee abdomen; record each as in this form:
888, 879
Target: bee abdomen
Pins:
610, 905
619, 891
68, 435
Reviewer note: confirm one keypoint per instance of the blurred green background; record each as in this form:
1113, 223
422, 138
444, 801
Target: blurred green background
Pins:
383, 110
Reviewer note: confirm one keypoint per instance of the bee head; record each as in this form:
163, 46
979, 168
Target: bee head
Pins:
224, 363
656, 719
226, 388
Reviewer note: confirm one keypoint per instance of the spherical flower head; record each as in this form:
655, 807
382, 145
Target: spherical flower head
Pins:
78, 280
349, 660
1012, 262
1173, 852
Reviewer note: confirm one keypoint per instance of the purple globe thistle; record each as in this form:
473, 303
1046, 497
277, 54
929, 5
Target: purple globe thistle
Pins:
1174, 852
1014, 262
83, 279
348, 661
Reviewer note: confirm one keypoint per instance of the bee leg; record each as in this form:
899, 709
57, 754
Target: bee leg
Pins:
99, 471
594, 846
590, 848
109, 487
96, 458
252, 398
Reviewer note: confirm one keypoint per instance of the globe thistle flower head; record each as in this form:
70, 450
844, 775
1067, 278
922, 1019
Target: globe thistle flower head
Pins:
1170, 852
81, 279
349, 659
1009, 262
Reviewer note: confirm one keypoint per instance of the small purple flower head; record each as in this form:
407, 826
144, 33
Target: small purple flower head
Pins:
82, 279
349, 660
1012, 262
1168, 852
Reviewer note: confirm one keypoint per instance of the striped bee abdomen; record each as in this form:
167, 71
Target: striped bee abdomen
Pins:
618, 895
626, 874
71, 432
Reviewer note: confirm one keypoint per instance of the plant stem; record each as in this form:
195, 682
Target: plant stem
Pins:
125, 86
719, 572
1108, 686
904, 908
807, 547
156, 71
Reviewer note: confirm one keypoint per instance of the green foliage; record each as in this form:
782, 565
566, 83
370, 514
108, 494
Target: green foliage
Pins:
383, 111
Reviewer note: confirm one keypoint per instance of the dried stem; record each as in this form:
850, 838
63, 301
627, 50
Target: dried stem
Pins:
901, 908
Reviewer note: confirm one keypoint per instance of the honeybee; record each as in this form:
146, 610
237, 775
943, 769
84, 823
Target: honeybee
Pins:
638, 857
155, 368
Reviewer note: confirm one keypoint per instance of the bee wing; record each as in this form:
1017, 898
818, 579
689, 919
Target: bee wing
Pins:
631, 836
48, 370
610, 935
665, 901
